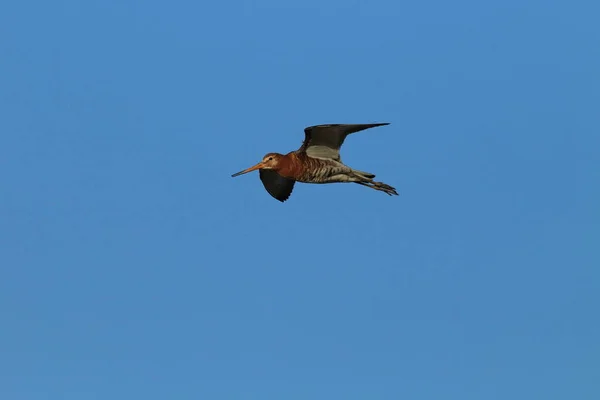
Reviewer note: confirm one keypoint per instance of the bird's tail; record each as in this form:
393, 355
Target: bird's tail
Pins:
363, 174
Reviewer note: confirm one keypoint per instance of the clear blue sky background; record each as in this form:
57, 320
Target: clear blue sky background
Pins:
134, 267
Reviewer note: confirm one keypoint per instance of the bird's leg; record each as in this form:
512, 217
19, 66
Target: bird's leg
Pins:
379, 186
385, 187
362, 178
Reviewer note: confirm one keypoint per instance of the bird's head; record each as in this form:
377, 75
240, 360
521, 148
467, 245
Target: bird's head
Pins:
269, 161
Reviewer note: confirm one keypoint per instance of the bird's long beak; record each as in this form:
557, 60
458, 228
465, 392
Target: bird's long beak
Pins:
254, 168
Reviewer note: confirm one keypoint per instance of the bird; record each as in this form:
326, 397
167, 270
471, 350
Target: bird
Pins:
316, 161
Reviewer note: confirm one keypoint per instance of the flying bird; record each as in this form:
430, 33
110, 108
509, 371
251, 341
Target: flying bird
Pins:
316, 161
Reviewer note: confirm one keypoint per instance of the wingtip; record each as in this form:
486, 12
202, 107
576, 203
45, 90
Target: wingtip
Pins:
376, 124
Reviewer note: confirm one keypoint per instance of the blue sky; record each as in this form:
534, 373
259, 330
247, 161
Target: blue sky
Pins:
134, 266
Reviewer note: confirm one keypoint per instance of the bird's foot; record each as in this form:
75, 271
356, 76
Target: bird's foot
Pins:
382, 187
385, 188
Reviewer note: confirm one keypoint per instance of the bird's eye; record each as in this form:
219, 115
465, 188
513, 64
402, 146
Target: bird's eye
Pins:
270, 158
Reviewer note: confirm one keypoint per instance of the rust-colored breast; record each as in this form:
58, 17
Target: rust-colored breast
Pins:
314, 170
291, 166
302, 168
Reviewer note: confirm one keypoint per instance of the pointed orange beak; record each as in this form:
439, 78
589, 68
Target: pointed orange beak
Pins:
254, 168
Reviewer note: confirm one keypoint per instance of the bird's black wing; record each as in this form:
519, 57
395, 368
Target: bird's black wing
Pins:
325, 141
278, 186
